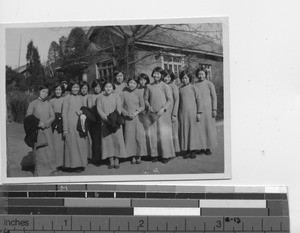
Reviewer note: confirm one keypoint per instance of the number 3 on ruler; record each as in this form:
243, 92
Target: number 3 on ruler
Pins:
219, 224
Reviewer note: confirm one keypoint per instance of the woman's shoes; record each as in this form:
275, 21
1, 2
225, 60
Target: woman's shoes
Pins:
111, 166
138, 160
155, 159
192, 154
202, 152
165, 161
79, 169
133, 160
186, 155
207, 152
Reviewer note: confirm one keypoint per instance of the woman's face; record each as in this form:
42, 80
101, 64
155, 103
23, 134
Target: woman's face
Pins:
120, 77
167, 79
44, 93
157, 76
108, 88
75, 89
185, 79
132, 85
97, 89
201, 75
84, 90
143, 82
58, 91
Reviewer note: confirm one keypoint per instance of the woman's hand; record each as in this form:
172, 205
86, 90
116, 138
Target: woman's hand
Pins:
160, 112
214, 114
79, 112
65, 134
150, 109
174, 118
42, 125
131, 115
198, 117
104, 117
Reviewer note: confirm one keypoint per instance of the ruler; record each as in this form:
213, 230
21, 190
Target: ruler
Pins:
90, 208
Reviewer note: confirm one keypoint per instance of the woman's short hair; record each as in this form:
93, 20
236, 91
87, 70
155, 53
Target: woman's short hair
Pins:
95, 83
170, 73
134, 79
201, 69
115, 74
84, 83
58, 84
157, 69
109, 81
45, 86
144, 76
72, 83
185, 72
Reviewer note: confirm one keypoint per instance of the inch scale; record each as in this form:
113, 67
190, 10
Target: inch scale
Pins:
144, 209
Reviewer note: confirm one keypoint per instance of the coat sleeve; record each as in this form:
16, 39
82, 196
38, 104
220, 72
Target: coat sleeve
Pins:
213, 95
176, 100
51, 116
141, 103
99, 108
168, 94
124, 111
198, 99
65, 109
30, 108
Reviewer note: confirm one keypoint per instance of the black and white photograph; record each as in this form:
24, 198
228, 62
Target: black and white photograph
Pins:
131, 100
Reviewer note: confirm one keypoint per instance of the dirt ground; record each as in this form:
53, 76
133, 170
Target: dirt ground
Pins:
20, 161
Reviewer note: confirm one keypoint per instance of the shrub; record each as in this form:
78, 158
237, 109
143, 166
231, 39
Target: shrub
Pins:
17, 103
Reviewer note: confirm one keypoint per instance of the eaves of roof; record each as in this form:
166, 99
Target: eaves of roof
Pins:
164, 46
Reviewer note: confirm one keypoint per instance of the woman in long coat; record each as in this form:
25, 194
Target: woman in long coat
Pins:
209, 100
84, 91
189, 116
134, 134
169, 77
112, 140
95, 128
144, 81
44, 155
158, 99
77, 147
56, 103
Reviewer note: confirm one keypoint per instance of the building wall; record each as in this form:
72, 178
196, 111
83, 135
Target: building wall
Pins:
192, 63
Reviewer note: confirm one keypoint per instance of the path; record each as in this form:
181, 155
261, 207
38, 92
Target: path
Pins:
19, 155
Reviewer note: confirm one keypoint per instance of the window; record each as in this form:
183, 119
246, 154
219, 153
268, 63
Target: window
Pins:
207, 67
173, 62
105, 70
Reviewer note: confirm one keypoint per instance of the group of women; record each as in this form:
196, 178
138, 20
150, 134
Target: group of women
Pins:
134, 119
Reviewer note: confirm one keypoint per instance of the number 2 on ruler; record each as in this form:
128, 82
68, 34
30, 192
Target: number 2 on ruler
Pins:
141, 222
